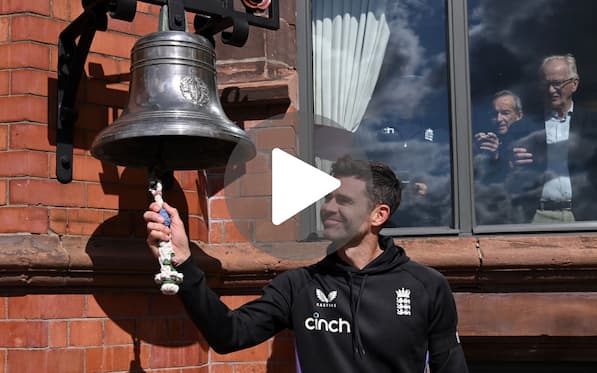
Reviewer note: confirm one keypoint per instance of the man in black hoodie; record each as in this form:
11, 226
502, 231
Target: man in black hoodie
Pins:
364, 308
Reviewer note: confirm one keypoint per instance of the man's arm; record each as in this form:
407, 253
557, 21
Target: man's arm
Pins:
224, 329
445, 351
229, 330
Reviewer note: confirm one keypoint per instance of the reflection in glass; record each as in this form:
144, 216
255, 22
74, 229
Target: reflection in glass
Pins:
544, 171
402, 118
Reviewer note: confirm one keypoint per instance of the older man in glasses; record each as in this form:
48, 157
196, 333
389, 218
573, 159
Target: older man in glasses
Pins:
558, 184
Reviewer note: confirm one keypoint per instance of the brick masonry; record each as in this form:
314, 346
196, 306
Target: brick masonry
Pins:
105, 332
90, 329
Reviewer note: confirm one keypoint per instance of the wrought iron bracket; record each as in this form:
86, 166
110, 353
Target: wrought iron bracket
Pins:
211, 17
71, 59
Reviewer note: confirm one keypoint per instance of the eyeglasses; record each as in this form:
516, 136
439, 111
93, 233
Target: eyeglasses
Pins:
556, 84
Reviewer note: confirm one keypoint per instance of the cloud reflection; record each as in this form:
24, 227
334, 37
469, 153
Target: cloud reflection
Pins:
410, 98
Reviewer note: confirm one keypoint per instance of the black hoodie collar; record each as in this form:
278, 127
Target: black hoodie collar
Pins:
391, 257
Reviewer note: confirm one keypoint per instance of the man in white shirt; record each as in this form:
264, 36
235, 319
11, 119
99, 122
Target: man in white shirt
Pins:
564, 149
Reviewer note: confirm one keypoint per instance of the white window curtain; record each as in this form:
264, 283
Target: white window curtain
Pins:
349, 43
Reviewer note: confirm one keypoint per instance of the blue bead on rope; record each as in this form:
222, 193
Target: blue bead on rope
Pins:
166, 217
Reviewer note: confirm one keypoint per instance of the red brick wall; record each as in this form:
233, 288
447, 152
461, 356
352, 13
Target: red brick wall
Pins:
104, 330
100, 191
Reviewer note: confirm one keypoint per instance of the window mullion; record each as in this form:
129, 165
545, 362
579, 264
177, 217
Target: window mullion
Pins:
460, 114
309, 216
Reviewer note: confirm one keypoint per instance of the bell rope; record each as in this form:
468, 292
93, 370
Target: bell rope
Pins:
169, 278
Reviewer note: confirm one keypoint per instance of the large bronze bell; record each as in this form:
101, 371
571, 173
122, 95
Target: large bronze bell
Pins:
173, 119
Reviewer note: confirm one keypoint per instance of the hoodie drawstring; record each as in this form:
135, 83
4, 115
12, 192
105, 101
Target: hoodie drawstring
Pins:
355, 302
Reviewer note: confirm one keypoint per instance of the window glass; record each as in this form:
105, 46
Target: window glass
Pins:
534, 129
380, 91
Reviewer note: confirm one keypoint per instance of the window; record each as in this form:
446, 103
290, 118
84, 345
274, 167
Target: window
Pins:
541, 111
425, 86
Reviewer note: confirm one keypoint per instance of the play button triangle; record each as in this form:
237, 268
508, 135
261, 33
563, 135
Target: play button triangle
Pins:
296, 185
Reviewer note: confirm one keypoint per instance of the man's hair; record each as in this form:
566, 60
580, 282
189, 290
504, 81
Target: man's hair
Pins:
383, 187
515, 97
568, 58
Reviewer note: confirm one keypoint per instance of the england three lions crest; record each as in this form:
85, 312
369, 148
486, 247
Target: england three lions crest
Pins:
403, 302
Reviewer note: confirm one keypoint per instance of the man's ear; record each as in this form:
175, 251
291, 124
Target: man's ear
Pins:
379, 215
575, 84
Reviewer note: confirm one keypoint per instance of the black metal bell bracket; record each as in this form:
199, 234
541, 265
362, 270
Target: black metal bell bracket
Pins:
74, 42
71, 60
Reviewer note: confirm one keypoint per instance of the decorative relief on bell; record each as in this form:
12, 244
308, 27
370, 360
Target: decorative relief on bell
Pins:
194, 90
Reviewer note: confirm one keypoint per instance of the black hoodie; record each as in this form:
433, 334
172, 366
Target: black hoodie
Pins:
383, 318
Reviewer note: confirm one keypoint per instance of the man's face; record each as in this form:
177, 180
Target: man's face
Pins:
346, 212
505, 113
558, 85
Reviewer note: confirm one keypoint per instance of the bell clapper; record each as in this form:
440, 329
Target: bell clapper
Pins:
169, 278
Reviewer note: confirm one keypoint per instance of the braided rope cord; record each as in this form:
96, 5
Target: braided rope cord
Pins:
169, 278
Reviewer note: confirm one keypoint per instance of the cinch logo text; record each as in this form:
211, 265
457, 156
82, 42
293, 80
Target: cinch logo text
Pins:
330, 326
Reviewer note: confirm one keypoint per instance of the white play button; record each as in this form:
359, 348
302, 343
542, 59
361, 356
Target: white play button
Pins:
296, 185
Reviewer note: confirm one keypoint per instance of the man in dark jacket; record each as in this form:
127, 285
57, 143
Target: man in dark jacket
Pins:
364, 308
555, 166
491, 155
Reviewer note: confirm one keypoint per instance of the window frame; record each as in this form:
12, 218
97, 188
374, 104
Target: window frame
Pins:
460, 128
